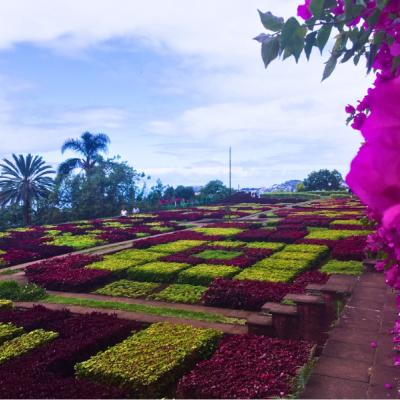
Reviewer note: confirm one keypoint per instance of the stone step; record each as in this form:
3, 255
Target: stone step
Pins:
304, 298
260, 324
277, 308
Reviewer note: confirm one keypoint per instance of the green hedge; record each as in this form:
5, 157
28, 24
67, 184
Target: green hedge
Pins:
180, 293
78, 242
218, 254
143, 256
266, 245
226, 243
308, 248
204, 274
162, 272
5, 304
24, 343
9, 331
113, 264
152, 360
282, 264
219, 231
177, 246
335, 234
12, 290
262, 274
343, 267
125, 288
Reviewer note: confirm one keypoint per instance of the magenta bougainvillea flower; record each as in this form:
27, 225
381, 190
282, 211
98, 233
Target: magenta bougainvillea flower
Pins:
304, 11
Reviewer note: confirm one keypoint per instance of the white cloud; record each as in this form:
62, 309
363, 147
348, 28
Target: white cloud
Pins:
277, 117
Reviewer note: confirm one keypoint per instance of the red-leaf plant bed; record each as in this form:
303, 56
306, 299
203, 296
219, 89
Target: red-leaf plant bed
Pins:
47, 372
251, 295
248, 367
67, 273
248, 258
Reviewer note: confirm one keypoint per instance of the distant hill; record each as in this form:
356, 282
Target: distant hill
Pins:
288, 186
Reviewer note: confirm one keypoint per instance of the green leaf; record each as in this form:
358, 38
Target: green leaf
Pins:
271, 22
316, 7
373, 19
395, 64
382, 4
270, 50
323, 36
289, 31
310, 42
329, 67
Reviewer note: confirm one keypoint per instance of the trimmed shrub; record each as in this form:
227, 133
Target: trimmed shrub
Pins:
225, 243
11, 290
144, 256
204, 274
6, 304
162, 272
248, 367
9, 331
343, 267
218, 231
180, 293
262, 274
24, 343
335, 234
113, 264
151, 360
218, 254
266, 245
125, 288
174, 247
254, 235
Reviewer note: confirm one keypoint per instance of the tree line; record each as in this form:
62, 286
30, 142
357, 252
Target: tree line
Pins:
88, 185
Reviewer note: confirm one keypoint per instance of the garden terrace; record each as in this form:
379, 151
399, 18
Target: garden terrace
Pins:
23, 245
231, 264
94, 355
232, 276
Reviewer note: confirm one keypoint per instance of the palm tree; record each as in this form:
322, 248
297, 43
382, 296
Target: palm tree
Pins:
24, 181
89, 146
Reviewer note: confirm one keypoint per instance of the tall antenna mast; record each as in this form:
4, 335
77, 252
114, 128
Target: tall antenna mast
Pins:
230, 170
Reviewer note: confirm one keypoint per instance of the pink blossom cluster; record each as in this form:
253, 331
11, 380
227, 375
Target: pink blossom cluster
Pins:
375, 171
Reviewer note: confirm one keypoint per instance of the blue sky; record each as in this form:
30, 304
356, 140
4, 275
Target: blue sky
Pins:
174, 83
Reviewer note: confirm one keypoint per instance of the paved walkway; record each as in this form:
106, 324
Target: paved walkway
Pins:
350, 367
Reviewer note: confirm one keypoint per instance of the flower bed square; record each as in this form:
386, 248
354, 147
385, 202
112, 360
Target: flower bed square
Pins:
225, 244
351, 248
180, 293
218, 254
254, 235
113, 264
125, 288
276, 246
343, 267
335, 234
150, 361
162, 272
286, 236
247, 366
9, 331
262, 274
174, 247
24, 343
204, 274
218, 231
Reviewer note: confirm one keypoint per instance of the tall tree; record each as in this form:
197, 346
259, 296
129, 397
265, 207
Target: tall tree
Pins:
323, 180
89, 146
24, 181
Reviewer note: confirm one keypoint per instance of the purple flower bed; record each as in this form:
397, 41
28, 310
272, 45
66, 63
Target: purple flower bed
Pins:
248, 367
320, 242
287, 236
67, 274
351, 248
34, 318
254, 235
186, 235
47, 372
252, 295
